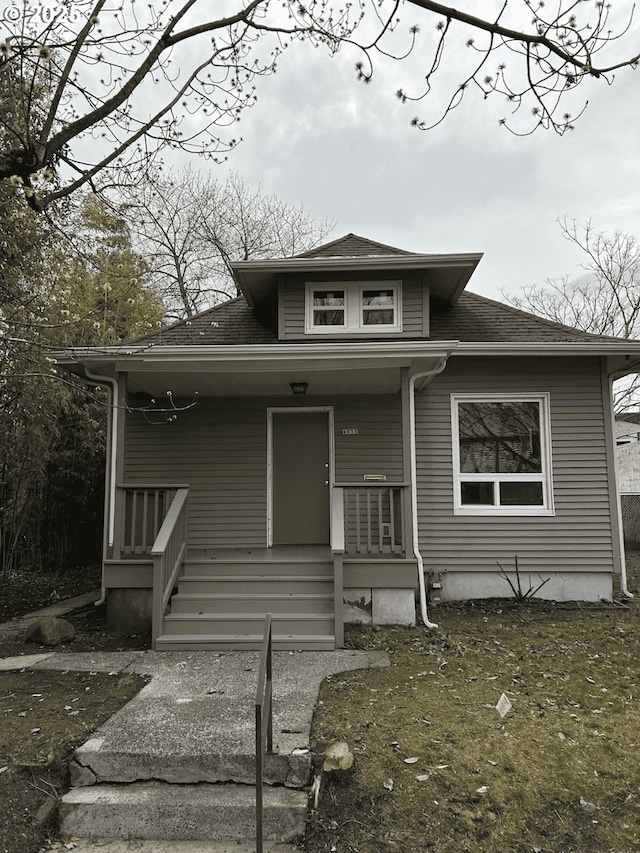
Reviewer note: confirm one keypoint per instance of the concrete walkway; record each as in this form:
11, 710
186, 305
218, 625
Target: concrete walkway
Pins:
192, 724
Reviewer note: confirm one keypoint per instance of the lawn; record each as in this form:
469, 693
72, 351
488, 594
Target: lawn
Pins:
436, 766
438, 769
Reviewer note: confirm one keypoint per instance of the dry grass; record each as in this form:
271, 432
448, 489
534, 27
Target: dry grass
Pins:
558, 773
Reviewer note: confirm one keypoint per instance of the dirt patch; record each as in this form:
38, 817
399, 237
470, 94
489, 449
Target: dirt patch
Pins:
91, 636
438, 769
45, 716
25, 591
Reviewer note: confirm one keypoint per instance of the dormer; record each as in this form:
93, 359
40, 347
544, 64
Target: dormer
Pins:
353, 289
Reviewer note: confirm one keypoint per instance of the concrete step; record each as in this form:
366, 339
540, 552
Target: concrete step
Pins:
274, 603
245, 642
137, 845
150, 810
257, 584
248, 623
231, 759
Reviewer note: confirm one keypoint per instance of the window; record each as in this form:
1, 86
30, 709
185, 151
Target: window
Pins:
371, 307
502, 455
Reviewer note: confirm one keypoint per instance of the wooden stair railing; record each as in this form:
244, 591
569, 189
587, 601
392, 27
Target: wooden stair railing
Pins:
168, 554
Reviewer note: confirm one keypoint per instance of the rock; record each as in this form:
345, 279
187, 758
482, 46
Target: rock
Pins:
337, 756
50, 631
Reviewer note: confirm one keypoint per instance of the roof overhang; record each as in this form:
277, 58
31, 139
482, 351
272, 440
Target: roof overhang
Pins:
623, 357
448, 275
360, 367
235, 371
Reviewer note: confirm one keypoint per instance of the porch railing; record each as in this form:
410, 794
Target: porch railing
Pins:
142, 509
168, 552
373, 518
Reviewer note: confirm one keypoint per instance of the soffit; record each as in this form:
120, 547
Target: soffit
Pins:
446, 275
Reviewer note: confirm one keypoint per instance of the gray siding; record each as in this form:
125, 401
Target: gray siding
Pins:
415, 320
219, 448
579, 536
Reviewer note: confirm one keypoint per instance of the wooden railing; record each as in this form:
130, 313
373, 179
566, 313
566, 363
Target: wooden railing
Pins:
264, 726
168, 552
373, 518
142, 509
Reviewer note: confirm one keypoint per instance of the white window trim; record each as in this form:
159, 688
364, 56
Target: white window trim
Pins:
353, 308
546, 477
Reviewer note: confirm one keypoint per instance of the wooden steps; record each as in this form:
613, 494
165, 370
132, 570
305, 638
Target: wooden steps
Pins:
222, 599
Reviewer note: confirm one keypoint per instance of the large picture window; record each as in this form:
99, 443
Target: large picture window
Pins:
502, 455
372, 307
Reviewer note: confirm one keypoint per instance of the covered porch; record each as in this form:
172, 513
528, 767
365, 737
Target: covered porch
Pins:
231, 495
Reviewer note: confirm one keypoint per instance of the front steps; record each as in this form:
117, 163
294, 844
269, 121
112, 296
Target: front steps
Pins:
157, 810
177, 762
222, 599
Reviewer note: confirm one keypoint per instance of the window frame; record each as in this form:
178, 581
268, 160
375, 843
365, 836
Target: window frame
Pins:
353, 307
545, 477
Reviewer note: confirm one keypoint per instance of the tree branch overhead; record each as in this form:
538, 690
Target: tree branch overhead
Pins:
108, 85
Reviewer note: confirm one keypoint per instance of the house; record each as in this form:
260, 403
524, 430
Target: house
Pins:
352, 432
627, 427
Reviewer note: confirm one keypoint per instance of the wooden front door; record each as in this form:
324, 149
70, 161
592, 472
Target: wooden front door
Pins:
300, 472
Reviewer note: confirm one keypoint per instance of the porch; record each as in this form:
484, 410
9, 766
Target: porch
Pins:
217, 597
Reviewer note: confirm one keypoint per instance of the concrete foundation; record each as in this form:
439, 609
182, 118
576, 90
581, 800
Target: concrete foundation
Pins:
357, 606
129, 611
368, 606
393, 607
561, 586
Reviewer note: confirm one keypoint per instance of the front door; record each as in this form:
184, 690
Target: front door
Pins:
300, 478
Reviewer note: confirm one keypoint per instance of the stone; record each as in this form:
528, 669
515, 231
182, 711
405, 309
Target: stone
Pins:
50, 631
337, 756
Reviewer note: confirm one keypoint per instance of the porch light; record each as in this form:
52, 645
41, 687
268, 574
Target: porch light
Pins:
299, 387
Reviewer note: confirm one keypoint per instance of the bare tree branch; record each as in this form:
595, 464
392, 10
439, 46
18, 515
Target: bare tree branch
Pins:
605, 300
105, 85
191, 228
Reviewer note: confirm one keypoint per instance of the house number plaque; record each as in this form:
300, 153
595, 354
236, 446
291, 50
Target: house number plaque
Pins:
350, 431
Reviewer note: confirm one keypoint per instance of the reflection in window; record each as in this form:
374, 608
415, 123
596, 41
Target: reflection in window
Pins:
499, 438
328, 308
378, 307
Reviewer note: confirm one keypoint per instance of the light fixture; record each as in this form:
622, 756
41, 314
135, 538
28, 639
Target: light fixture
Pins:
299, 387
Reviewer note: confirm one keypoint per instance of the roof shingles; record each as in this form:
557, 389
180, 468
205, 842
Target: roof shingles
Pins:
473, 318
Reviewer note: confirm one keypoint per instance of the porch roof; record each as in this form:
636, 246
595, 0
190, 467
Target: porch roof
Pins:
253, 370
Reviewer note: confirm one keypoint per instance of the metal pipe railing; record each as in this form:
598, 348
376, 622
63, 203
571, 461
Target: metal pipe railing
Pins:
264, 726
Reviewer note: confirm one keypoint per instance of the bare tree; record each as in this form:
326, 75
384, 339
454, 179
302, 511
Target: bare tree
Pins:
605, 300
99, 87
190, 228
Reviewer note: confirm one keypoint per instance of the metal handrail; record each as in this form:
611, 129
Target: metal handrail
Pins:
264, 726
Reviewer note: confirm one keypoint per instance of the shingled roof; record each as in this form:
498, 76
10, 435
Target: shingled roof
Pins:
352, 246
473, 318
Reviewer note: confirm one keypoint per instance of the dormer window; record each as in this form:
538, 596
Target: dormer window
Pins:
371, 307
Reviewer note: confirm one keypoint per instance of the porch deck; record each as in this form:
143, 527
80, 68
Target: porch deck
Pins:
217, 597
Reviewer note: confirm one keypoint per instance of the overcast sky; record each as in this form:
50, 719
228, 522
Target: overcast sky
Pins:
347, 151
